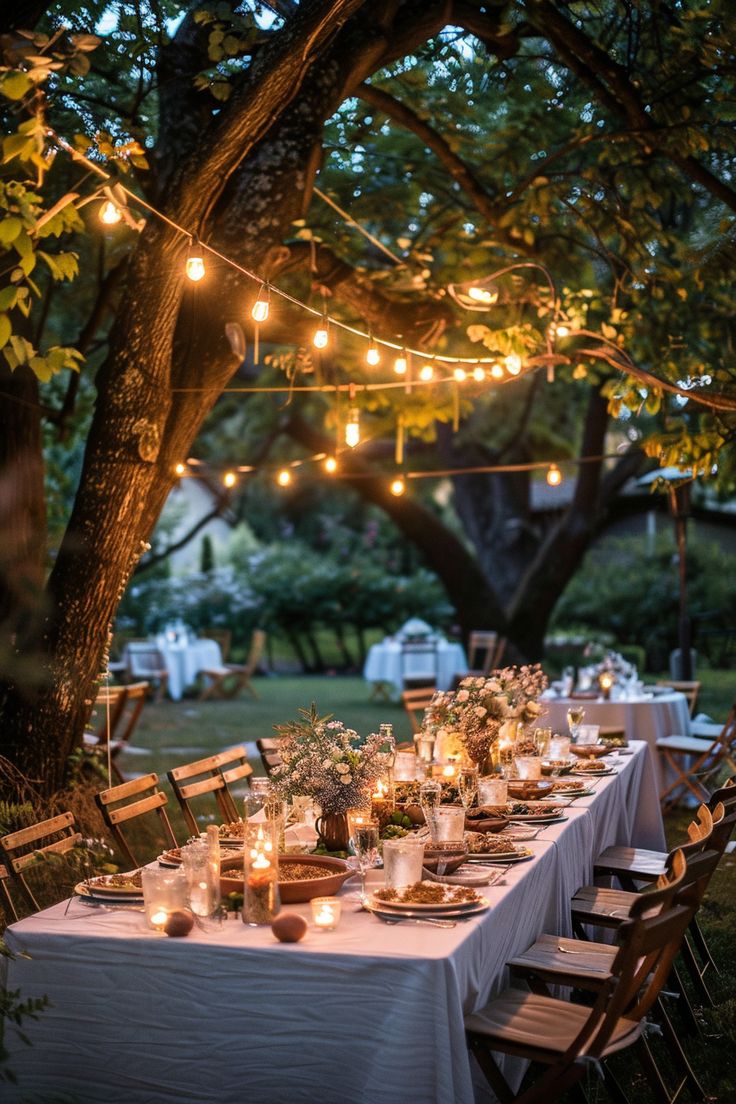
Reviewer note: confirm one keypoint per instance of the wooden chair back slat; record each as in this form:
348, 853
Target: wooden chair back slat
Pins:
415, 702
220, 770
32, 842
37, 831
689, 687
141, 796
138, 808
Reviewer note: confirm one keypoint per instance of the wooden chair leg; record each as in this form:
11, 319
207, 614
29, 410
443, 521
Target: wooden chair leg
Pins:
702, 947
678, 1054
696, 977
654, 1077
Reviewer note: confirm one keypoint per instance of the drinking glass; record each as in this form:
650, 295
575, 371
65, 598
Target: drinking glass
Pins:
467, 785
542, 737
402, 862
492, 791
430, 793
575, 717
528, 766
256, 796
448, 824
365, 842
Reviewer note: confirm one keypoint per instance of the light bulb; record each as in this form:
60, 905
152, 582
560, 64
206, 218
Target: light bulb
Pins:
486, 296
479, 374
426, 372
110, 213
180, 469
562, 331
496, 370
230, 479
284, 477
352, 427
460, 374
195, 266
321, 335
259, 312
554, 475
513, 364
400, 365
397, 487
372, 355
330, 465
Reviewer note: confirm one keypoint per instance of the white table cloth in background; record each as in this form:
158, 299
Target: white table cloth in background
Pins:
184, 660
384, 663
646, 718
367, 1014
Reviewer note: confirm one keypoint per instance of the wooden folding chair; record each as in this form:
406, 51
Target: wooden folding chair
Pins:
6, 897
419, 665
481, 651
130, 800
696, 762
566, 1037
146, 663
223, 637
126, 706
268, 749
415, 702
26, 847
227, 680
689, 687
210, 775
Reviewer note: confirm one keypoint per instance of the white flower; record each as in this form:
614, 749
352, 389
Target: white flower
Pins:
480, 711
342, 768
326, 764
346, 779
463, 695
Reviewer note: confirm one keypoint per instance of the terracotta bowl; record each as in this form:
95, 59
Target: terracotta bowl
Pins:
329, 874
485, 820
530, 789
590, 751
451, 859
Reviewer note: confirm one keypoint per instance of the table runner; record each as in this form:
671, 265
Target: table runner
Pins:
368, 1013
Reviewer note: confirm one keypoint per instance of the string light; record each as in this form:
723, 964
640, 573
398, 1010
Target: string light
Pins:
330, 465
426, 372
497, 371
397, 487
372, 356
561, 330
321, 335
180, 468
195, 268
352, 427
513, 364
554, 475
110, 213
460, 375
487, 296
400, 365
479, 374
229, 479
262, 305
284, 477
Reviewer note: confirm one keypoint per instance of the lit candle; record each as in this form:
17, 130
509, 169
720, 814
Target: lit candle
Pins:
325, 912
159, 917
449, 772
606, 682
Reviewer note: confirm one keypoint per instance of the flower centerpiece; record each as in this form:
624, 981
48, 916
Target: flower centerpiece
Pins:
476, 711
323, 759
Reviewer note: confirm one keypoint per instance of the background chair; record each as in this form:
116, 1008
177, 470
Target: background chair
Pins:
419, 664
415, 702
210, 776
268, 749
24, 848
146, 663
696, 763
223, 637
227, 680
485, 651
690, 688
126, 706
130, 800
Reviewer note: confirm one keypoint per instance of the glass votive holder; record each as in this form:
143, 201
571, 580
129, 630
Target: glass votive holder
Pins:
424, 746
261, 901
528, 766
587, 734
164, 891
405, 767
326, 912
559, 747
402, 862
542, 737
448, 824
203, 881
492, 791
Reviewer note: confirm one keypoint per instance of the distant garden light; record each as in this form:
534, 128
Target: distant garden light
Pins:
479, 374
513, 364
554, 475
180, 468
426, 372
229, 479
284, 477
110, 213
330, 465
497, 371
321, 336
352, 427
372, 356
401, 365
397, 487
460, 375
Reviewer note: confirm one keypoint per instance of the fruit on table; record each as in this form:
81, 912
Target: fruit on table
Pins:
289, 927
180, 922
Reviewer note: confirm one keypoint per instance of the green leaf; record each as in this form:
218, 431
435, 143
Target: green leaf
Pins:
5, 330
15, 84
10, 228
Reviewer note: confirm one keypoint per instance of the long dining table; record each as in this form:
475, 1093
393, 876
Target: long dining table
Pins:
369, 1013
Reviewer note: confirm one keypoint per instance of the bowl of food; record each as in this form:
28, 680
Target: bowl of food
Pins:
443, 860
525, 788
301, 877
589, 751
486, 818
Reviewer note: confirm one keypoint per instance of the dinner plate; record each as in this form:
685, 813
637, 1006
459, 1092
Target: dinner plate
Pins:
538, 818
594, 774
414, 914
89, 897
98, 888
170, 858
574, 793
522, 855
421, 907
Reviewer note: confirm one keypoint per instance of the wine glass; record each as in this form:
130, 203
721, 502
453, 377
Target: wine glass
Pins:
575, 717
365, 842
430, 794
467, 785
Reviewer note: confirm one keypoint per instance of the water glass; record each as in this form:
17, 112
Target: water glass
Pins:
559, 747
448, 824
365, 843
203, 882
492, 791
528, 766
575, 717
164, 891
402, 862
588, 734
467, 785
430, 795
542, 737
405, 767
256, 797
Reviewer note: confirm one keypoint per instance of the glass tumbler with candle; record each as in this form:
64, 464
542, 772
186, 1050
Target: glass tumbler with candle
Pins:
449, 824
202, 885
164, 891
326, 912
402, 862
492, 791
528, 766
261, 901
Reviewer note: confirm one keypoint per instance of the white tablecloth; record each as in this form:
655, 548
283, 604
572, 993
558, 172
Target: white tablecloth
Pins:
184, 660
645, 719
384, 664
367, 1014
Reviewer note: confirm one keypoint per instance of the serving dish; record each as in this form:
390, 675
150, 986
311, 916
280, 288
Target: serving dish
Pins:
329, 875
590, 751
529, 788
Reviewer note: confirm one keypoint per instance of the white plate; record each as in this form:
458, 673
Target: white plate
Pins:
537, 818
96, 887
419, 914
505, 857
419, 907
90, 897
594, 774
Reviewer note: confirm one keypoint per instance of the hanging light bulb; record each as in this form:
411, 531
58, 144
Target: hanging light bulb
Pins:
397, 487
195, 261
479, 374
426, 372
330, 465
372, 355
497, 370
460, 374
284, 477
401, 364
229, 479
560, 330
260, 309
554, 475
486, 296
110, 213
321, 335
513, 364
180, 468
352, 427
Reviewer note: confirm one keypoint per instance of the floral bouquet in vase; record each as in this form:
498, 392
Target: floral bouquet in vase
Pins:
323, 759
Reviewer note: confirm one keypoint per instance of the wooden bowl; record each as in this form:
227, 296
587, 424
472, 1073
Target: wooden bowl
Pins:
590, 751
529, 789
451, 859
329, 874
485, 820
